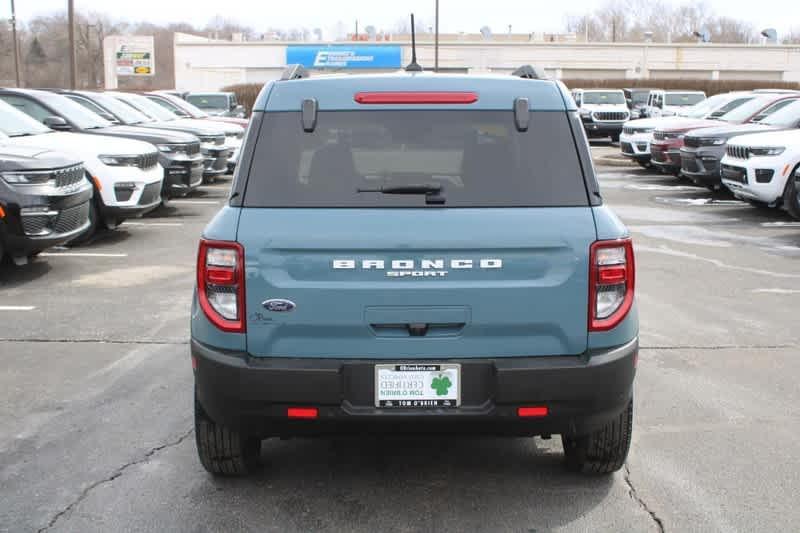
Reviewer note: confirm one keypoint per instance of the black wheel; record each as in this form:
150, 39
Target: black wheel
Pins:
615, 138
224, 452
791, 196
165, 198
645, 164
603, 451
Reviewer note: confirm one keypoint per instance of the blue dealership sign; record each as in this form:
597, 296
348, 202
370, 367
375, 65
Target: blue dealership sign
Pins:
350, 56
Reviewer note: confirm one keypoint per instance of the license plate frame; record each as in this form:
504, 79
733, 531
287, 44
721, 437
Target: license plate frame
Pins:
414, 386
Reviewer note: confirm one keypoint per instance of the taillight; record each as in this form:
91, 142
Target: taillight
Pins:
220, 284
612, 276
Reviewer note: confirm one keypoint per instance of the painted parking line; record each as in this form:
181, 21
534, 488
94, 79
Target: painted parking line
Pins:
776, 291
780, 224
17, 307
195, 202
80, 254
698, 202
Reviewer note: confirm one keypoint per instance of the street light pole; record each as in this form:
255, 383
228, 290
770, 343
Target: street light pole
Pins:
73, 63
436, 41
14, 36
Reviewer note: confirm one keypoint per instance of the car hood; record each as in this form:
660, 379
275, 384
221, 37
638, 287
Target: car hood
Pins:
84, 145
32, 158
653, 123
768, 138
243, 122
687, 124
730, 130
188, 126
213, 124
150, 135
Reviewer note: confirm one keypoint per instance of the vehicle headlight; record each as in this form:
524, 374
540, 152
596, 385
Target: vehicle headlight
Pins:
585, 112
712, 141
119, 160
26, 178
165, 148
767, 151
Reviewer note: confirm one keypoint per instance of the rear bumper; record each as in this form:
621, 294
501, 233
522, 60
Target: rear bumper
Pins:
252, 394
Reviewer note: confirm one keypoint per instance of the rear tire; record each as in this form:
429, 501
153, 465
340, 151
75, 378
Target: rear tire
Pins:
791, 196
94, 222
603, 451
224, 452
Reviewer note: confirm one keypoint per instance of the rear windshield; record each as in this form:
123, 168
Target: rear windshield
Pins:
208, 101
478, 158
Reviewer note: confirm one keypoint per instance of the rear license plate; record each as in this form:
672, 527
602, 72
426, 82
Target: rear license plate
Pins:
408, 385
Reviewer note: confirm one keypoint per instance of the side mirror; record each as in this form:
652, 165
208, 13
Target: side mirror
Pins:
56, 123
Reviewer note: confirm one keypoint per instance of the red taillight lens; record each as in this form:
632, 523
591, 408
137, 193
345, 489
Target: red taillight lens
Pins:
307, 413
220, 284
612, 276
532, 411
416, 97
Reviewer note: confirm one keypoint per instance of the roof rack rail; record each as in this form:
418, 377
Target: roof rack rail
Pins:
294, 72
530, 73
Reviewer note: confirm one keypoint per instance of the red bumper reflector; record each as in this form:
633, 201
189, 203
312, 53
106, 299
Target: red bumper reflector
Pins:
307, 413
426, 97
532, 412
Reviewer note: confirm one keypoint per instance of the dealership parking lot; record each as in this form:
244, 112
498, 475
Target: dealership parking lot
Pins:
96, 396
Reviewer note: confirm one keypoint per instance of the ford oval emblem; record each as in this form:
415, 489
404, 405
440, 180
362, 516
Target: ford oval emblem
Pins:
279, 305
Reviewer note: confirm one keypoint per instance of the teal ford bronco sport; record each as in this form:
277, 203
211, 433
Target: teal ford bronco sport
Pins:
412, 253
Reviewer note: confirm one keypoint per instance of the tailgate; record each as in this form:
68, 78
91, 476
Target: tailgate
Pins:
416, 283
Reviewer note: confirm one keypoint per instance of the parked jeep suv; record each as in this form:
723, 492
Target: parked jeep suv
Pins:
414, 253
602, 111
44, 200
223, 104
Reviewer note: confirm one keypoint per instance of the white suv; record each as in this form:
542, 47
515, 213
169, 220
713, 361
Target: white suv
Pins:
125, 173
760, 168
602, 111
670, 103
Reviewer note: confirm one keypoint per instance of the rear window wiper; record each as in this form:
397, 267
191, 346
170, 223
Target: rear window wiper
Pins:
432, 191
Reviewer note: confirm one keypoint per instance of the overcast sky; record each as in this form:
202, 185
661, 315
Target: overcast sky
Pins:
455, 15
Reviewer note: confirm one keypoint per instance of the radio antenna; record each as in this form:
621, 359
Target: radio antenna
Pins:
413, 66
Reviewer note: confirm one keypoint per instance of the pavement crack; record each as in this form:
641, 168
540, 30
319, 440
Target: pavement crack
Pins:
638, 499
114, 475
98, 341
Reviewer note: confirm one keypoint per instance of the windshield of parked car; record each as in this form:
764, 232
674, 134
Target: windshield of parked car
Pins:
189, 107
683, 99
15, 123
73, 112
639, 97
148, 107
473, 159
125, 113
209, 101
785, 116
746, 110
603, 97
177, 106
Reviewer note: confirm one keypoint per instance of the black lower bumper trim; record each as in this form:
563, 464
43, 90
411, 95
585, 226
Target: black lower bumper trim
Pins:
252, 394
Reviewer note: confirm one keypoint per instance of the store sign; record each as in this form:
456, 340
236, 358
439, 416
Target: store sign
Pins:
354, 57
134, 56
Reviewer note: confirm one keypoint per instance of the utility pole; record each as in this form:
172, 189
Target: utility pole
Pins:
16, 46
73, 62
356, 29
436, 41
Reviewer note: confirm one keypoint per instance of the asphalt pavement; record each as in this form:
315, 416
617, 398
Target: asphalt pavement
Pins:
96, 396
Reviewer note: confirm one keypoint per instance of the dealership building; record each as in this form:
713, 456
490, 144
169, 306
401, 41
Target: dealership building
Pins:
206, 64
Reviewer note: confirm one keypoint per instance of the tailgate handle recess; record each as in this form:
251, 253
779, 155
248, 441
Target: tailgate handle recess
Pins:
420, 329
